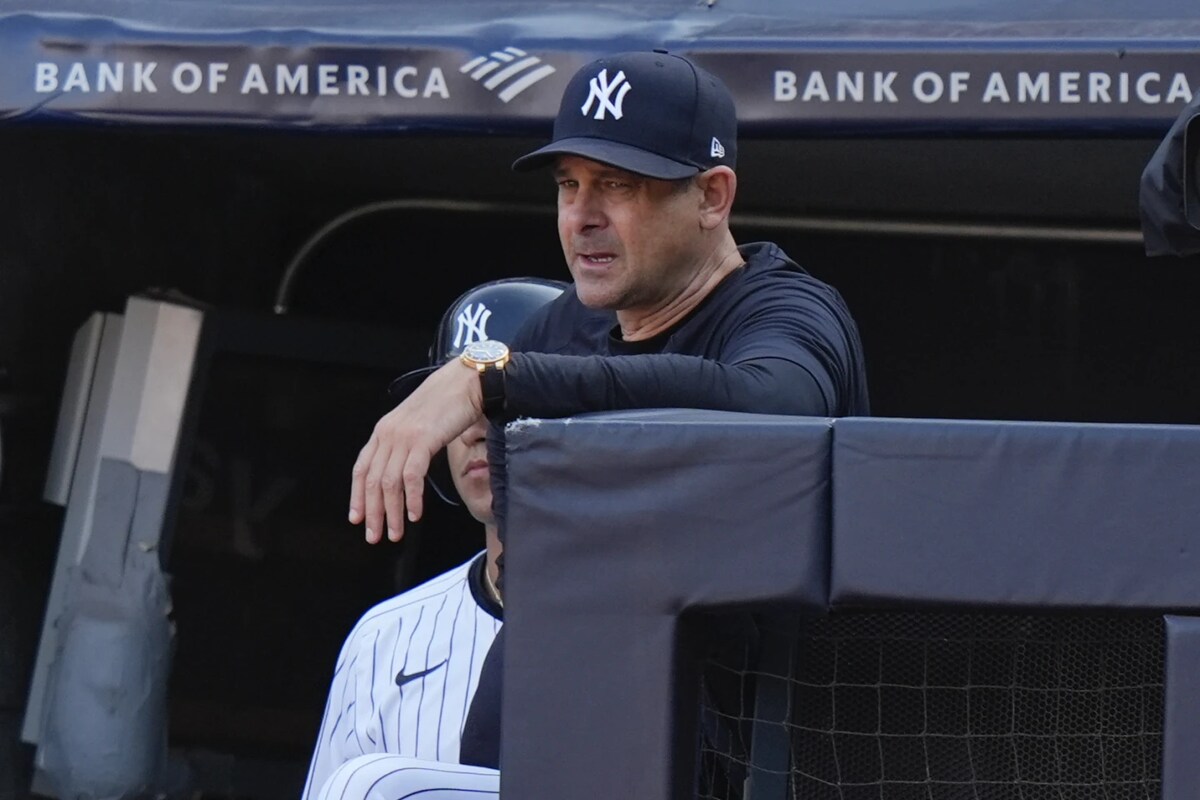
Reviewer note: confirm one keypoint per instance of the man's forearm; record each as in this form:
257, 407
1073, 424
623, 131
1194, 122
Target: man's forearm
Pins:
545, 385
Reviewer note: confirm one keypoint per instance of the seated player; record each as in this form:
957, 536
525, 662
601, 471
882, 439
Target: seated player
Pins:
409, 669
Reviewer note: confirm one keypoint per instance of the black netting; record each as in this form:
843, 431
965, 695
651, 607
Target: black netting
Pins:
926, 706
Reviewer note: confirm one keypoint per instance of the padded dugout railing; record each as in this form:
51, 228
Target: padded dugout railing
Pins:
629, 532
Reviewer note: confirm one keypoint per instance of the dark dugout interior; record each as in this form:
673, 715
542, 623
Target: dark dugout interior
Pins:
995, 278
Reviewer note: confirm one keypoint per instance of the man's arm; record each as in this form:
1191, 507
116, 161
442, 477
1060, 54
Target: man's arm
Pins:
791, 353
544, 385
388, 477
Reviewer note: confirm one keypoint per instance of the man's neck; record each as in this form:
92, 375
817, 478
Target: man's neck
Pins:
638, 325
494, 549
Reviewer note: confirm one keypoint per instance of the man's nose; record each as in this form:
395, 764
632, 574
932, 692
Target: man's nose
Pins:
584, 212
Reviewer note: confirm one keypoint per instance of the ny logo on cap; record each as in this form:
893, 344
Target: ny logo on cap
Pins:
471, 325
602, 93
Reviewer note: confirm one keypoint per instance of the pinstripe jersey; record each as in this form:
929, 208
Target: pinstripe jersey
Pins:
406, 675
387, 777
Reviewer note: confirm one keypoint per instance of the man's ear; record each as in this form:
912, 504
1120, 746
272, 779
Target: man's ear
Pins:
718, 185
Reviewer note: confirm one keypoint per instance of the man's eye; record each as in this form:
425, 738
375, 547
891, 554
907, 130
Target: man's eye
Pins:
617, 185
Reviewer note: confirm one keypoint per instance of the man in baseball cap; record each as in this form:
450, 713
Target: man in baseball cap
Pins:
666, 309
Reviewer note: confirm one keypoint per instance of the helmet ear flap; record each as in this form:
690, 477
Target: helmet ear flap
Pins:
441, 481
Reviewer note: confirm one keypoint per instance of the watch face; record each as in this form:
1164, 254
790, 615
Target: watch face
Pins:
486, 351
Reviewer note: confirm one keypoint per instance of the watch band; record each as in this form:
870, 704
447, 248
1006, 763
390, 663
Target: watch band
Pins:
491, 381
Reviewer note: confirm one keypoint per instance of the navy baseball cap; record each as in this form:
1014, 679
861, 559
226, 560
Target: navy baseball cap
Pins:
653, 114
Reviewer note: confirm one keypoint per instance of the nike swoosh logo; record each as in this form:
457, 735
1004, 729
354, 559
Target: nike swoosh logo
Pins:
402, 679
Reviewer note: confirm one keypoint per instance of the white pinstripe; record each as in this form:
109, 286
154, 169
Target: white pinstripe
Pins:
388, 777
437, 626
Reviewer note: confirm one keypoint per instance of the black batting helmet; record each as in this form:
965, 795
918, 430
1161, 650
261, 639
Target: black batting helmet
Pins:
493, 310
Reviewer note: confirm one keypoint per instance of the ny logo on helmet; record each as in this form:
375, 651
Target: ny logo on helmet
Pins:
602, 93
471, 324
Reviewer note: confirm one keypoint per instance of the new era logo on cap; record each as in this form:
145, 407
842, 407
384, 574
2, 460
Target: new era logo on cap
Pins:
653, 114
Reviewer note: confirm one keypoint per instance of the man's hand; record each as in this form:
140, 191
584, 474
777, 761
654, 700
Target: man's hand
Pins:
389, 475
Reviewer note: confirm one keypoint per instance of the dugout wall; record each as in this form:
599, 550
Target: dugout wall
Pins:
994, 623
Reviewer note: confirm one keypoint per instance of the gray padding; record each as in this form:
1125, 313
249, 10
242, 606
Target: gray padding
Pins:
1181, 705
105, 723
103, 562
617, 524
1016, 514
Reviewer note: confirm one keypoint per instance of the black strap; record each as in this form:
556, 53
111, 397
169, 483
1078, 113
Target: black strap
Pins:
492, 382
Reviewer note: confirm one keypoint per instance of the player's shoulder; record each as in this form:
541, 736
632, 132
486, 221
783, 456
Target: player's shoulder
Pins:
411, 601
772, 277
766, 262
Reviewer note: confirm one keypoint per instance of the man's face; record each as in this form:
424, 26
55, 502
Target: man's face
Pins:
630, 242
467, 455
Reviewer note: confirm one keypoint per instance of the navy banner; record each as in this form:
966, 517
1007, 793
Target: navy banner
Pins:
985, 87
100, 70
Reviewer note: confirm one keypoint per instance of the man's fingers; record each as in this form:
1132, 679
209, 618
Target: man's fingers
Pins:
392, 493
358, 480
415, 470
374, 493
388, 484
373, 506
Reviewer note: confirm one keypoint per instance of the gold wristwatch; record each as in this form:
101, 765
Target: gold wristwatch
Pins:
488, 358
